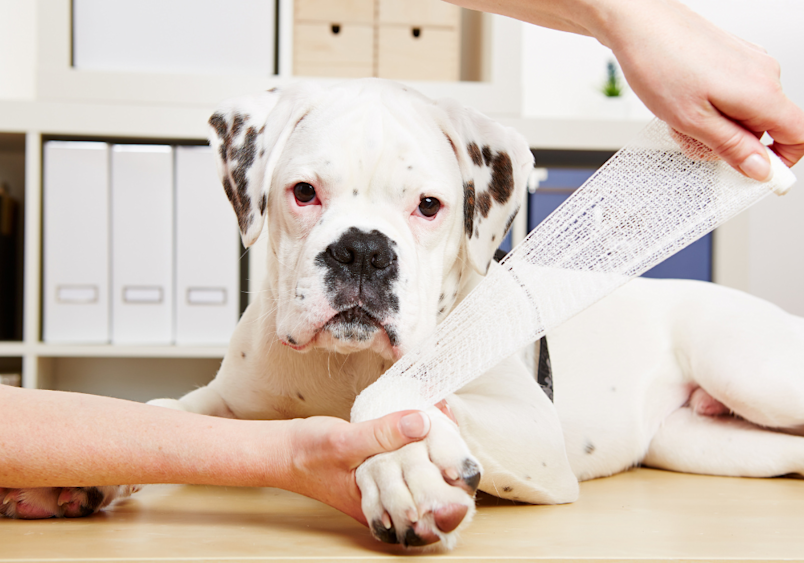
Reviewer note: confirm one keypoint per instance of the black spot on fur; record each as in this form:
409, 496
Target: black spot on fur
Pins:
274, 89
507, 489
483, 204
493, 238
354, 193
237, 124
412, 539
440, 298
451, 144
510, 221
474, 154
468, 207
238, 161
441, 310
291, 340
218, 122
263, 204
487, 155
589, 448
383, 534
243, 355
300, 396
502, 178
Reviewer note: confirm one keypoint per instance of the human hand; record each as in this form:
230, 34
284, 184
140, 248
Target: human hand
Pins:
706, 83
325, 452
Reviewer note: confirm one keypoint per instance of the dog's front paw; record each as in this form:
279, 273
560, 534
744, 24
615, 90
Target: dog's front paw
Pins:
424, 492
57, 502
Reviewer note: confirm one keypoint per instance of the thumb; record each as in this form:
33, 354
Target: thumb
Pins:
389, 433
739, 147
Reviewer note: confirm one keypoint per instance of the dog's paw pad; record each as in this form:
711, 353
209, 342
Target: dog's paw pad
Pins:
15, 505
77, 502
449, 517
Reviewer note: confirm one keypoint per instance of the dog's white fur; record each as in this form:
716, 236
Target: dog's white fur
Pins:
674, 374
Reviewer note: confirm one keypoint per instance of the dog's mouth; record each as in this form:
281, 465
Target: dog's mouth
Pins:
354, 325
350, 330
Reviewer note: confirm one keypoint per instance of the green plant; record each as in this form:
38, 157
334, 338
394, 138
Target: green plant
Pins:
613, 87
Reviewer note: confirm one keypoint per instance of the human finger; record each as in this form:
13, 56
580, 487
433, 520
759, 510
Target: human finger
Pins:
388, 433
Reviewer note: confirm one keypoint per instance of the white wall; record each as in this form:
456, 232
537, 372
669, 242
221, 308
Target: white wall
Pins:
774, 253
17, 49
562, 77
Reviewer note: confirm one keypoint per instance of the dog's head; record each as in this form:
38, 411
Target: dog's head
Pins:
377, 200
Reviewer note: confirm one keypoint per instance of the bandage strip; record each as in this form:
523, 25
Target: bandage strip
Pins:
654, 197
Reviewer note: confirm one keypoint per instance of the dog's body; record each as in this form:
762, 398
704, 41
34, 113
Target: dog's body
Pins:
359, 271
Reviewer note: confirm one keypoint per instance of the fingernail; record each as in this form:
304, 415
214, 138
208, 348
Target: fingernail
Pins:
412, 515
415, 425
756, 167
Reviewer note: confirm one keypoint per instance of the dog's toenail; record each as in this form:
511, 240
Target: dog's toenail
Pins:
94, 498
471, 474
386, 521
412, 515
412, 539
386, 535
452, 474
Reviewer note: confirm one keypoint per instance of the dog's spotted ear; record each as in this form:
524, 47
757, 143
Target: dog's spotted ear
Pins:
495, 162
248, 135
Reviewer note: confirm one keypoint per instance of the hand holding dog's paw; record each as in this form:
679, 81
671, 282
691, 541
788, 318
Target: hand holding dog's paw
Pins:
424, 492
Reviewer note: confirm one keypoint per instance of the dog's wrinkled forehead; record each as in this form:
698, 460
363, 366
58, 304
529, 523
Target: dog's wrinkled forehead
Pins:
378, 134
386, 143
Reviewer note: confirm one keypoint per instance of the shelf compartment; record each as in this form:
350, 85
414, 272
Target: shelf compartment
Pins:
117, 351
132, 378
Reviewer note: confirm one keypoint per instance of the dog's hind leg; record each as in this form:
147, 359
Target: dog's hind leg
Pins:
745, 353
723, 445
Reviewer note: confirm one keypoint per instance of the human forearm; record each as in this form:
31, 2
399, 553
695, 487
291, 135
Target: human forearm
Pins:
699, 79
584, 17
51, 438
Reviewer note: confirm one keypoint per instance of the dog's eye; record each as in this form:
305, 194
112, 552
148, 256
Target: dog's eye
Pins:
304, 192
429, 206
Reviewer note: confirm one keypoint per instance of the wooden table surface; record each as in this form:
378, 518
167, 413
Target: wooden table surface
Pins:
642, 515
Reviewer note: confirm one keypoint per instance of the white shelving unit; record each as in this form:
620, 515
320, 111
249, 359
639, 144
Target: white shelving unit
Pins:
67, 102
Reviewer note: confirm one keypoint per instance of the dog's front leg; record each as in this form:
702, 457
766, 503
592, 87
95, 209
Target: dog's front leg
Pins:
513, 429
244, 373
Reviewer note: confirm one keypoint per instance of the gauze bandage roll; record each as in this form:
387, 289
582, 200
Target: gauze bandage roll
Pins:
653, 198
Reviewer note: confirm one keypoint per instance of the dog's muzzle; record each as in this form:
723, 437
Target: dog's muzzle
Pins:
360, 272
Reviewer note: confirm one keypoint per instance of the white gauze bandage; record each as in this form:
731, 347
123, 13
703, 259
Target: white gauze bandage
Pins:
650, 200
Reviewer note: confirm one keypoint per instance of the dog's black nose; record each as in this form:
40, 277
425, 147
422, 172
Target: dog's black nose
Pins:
361, 252
361, 269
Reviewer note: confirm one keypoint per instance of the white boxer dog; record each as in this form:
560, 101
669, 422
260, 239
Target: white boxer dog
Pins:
383, 210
